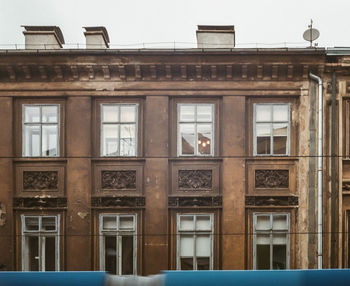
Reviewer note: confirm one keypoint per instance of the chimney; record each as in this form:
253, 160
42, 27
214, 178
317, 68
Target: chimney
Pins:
215, 37
43, 37
96, 37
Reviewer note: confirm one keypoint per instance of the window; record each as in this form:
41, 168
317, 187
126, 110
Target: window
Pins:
118, 244
271, 241
40, 130
195, 129
40, 243
271, 129
118, 129
194, 242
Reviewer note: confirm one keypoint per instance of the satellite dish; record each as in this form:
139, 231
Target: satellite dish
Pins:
311, 34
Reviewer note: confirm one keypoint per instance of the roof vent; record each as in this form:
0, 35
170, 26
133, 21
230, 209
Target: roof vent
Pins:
43, 37
215, 37
96, 37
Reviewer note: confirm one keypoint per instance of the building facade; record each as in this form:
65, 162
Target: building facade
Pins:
137, 161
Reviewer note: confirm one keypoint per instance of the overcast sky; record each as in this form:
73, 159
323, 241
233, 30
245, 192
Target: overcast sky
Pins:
268, 22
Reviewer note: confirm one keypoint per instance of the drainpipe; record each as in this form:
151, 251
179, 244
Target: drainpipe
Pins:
319, 168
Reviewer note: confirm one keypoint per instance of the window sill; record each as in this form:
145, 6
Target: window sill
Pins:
40, 159
195, 158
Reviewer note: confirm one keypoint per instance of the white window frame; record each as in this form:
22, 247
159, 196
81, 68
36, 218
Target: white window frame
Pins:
136, 105
194, 233
41, 240
195, 122
271, 232
118, 234
271, 122
41, 127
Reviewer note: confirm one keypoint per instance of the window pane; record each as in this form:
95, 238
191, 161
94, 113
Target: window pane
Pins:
31, 113
32, 253
187, 113
263, 256
127, 255
32, 140
262, 222
203, 223
126, 222
109, 222
49, 140
186, 245
110, 254
203, 263
50, 257
187, 263
204, 113
110, 113
48, 223
127, 140
187, 139
203, 245
280, 222
262, 239
280, 112
280, 129
31, 223
50, 113
280, 145
127, 113
204, 138
263, 112
110, 134
279, 239
186, 223
279, 257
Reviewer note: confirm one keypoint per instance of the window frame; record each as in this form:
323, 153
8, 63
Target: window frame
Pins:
40, 234
118, 234
101, 124
194, 233
271, 232
58, 124
195, 122
271, 122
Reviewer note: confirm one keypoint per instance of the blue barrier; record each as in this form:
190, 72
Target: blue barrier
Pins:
52, 278
327, 277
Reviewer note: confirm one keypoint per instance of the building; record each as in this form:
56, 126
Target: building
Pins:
136, 161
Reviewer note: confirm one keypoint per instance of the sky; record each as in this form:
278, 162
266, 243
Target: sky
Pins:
160, 23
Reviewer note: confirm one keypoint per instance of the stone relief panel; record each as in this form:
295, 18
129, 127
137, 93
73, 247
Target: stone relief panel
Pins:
40, 180
195, 179
118, 180
272, 179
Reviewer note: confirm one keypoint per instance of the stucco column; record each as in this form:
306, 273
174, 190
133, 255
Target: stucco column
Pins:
78, 183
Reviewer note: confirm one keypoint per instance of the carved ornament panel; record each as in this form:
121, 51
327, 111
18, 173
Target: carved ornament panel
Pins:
195, 179
118, 180
267, 201
129, 202
272, 179
40, 180
207, 201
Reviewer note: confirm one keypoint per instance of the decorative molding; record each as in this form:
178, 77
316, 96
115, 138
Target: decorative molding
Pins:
202, 201
346, 186
154, 71
40, 202
118, 180
195, 179
40, 180
131, 202
271, 179
257, 201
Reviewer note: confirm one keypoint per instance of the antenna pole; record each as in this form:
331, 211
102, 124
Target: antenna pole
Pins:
310, 26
